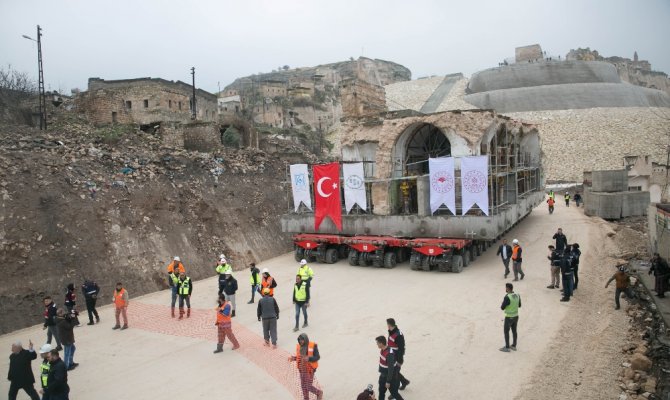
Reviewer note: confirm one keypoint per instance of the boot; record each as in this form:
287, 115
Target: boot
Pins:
188, 312
181, 312
233, 314
219, 348
172, 312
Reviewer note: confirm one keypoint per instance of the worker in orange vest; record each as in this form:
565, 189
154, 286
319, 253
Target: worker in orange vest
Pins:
174, 269
223, 322
121, 305
307, 360
268, 282
516, 260
551, 202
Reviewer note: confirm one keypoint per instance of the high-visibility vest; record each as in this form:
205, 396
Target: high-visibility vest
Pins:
512, 309
220, 318
310, 353
221, 269
267, 283
185, 286
383, 354
550, 202
391, 341
254, 282
174, 278
178, 267
44, 372
305, 272
118, 298
300, 293
515, 252
567, 197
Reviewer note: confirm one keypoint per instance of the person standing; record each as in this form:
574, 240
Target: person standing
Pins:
622, 284
44, 368
396, 341
121, 301
255, 281
90, 291
561, 240
566, 274
554, 258
567, 199
185, 285
50, 321
222, 268
66, 323
268, 312
173, 270
305, 272
57, 387
268, 282
661, 272
505, 252
229, 289
301, 301
307, 361
550, 203
20, 373
71, 303
224, 312
388, 370
552, 195
575, 253
516, 260
510, 305
578, 199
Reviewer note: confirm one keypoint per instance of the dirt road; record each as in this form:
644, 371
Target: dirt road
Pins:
452, 324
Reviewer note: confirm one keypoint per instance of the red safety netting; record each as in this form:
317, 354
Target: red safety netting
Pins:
200, 325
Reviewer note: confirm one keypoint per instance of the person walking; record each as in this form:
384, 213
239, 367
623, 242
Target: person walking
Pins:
66, 323
396, 341
510, 306
301, 301
567, 199
224, 312
307, 361
173, 270
516, 260
552, 195
185, 285
20, 373
550, 203
71, 302
229, 289
575, 254
57, 387
268, 282
50, 321
255, 281
566, 274
44, 367
305, 272
554, 258
388, 370
622, 284
90, 291
268, 312
222, 267
505, 252
578, 199
661, 272
121, 301
561, 240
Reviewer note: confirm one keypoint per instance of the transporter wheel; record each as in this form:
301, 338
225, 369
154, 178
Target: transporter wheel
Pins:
390, 260
299, 253
456, 264
415, 261
473, 252
343, 251
353, 257
466, 257
425, 263
479, 248
332, 256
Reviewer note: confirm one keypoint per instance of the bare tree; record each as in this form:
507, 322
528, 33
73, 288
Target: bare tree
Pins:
15, 84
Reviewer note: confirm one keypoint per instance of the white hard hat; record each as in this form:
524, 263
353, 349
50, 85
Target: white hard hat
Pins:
515, 241
303, 262
176, 258
45, 348
222, 255
265, 270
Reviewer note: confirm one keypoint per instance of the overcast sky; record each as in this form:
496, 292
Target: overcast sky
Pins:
228, 39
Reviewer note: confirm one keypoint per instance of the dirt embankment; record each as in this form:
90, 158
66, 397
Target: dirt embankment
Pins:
75, 206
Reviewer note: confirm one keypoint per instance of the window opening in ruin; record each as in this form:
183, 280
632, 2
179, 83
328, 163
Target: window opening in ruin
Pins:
113, 117
169, 103
151, 128
180, 105
146, 103
129, 104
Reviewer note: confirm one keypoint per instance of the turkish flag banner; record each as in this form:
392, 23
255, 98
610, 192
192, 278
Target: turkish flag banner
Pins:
327, 194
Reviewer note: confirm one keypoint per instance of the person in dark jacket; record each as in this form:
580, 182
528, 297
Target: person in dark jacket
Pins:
229, 289
566, 274
505, 252
66, 323
396, 341
307, 361
578, 199
268, 311
255, 281
388, 370
71, 302
510, 306
20, 372
57, 387
50, 322
561, 240
661, 271
301, 300
90, 290
575, 253
367, 394
554, 258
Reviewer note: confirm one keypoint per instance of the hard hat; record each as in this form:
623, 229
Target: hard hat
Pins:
515, 241
266, 291
222, 255
45, 348
176, 258
266, 271
303, 262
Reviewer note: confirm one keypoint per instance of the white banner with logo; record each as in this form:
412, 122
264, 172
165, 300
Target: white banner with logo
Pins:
442, 188
475, 182
300, 186
354, 185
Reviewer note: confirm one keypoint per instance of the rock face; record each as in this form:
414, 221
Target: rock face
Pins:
640, 362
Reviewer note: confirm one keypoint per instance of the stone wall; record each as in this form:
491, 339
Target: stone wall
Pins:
528, 53
361, 99
203, 137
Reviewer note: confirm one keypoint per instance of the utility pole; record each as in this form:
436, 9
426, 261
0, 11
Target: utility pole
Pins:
193, 109
40, 69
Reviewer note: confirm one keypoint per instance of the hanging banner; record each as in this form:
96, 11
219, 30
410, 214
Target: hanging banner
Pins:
474, 183
354, 186
327, 194
300, 186
442, 188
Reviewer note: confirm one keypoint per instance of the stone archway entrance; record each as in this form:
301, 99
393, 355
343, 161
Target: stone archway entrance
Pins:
415, 145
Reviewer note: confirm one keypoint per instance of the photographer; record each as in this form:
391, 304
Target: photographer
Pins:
66, 323
367, 394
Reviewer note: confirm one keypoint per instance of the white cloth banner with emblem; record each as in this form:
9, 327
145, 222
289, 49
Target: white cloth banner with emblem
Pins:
300, 186
474, 183
442, 188
354, 185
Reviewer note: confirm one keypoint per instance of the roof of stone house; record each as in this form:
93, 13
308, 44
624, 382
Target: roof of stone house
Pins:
177, 84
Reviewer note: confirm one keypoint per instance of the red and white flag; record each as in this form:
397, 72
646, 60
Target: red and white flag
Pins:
327, 194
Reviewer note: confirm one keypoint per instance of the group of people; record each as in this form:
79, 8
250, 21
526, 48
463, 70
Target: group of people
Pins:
53, 373
564, 265
551, 200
